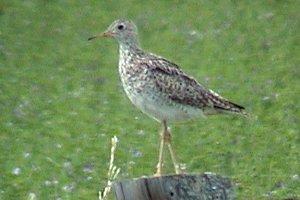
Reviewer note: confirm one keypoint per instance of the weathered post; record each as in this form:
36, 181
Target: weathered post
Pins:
206, 186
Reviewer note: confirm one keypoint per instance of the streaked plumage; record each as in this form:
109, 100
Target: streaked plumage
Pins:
158, 86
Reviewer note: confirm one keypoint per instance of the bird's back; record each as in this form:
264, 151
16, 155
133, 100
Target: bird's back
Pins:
161, 89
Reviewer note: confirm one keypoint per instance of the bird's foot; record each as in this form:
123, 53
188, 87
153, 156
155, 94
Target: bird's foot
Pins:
158, 170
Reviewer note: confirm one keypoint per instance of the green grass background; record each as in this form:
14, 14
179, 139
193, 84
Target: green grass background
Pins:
61, 100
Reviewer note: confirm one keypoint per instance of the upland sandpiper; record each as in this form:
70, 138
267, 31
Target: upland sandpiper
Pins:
159, 88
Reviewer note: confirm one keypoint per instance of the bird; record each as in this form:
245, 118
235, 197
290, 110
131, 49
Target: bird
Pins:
159, 88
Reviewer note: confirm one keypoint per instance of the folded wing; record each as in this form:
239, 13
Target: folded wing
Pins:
187, 91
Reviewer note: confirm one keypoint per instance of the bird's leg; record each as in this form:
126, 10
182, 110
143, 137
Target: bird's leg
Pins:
161, 154
168, 141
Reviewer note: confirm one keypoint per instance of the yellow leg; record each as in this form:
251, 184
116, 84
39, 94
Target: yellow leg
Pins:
160, 156
166, 139
174, 160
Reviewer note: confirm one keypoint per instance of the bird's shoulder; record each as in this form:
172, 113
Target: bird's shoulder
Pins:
160, 65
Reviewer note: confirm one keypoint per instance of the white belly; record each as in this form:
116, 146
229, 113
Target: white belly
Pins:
162, 111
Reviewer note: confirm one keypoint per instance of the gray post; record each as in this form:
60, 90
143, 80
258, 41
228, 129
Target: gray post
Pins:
206, 186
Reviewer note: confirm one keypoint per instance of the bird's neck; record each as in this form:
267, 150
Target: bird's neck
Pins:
128, 48
129, 45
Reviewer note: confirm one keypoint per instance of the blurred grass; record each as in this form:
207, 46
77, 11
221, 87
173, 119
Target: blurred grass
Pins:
61, 100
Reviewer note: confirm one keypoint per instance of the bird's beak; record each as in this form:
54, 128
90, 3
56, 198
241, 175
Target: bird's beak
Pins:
105, 34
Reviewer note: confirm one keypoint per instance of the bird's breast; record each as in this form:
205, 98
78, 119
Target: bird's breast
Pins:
144, 95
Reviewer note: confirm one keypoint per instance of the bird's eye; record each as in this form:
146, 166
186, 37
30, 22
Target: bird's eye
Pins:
121, 27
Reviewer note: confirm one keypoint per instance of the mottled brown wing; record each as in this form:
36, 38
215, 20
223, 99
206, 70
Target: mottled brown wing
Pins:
185, 90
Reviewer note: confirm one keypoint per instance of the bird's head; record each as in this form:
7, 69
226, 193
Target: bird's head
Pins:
122, 30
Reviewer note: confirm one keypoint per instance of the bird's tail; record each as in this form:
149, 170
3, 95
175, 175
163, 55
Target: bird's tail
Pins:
222, 105
230, 107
